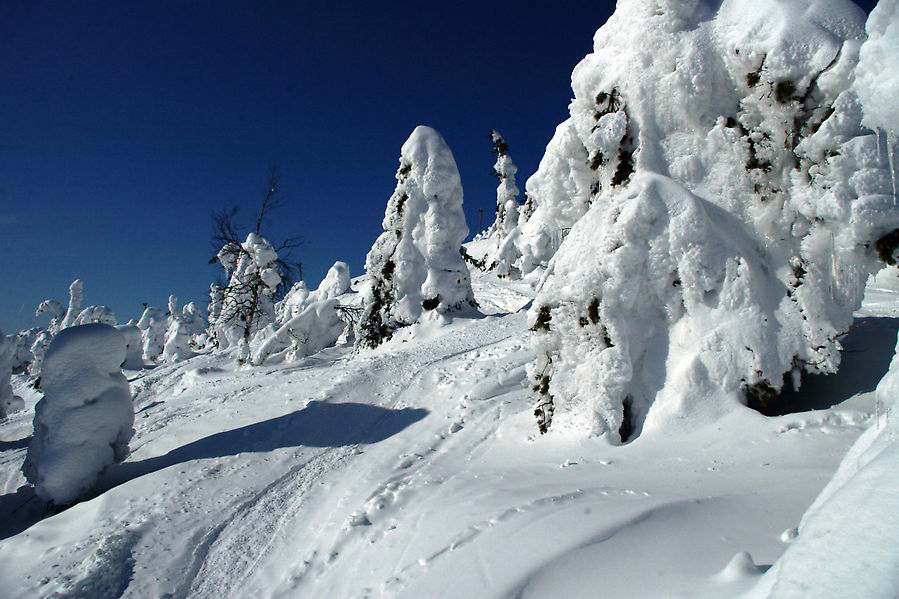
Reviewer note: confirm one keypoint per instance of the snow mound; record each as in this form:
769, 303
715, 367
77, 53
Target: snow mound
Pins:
726, 206
83, 423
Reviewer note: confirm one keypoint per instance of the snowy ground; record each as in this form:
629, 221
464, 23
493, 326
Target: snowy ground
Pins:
415, 471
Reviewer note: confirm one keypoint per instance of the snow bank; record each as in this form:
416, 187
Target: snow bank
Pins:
83, 422
735, 206
416, 264
847, 539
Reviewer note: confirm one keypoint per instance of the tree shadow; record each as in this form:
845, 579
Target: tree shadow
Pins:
319, 424
867, 352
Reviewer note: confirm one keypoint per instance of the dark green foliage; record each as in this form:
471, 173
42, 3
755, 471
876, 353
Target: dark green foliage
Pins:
431, 303
753, 78
479, 264
607, 103
760, 396
625, 164
593, 310
499, 145
886, 247
784, 91
627, 420
596, 161
545, 407
543, 318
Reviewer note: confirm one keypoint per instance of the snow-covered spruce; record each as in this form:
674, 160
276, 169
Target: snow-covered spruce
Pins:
735, 206
503, 253
244, 307
9, 403
416, 264
134, 355
308, 321
84, 421
22, 357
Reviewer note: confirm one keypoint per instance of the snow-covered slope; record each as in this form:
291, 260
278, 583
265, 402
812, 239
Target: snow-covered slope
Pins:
415, 470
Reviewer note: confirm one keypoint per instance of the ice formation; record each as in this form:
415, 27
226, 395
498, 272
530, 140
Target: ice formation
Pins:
726, 206
83, 423
416, 264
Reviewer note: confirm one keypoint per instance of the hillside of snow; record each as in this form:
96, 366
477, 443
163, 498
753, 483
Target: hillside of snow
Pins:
416, 471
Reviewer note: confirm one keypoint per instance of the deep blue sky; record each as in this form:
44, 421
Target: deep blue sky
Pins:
124, 124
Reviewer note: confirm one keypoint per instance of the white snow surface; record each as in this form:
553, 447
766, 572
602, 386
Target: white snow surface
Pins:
83, 422
877, 75
415, 470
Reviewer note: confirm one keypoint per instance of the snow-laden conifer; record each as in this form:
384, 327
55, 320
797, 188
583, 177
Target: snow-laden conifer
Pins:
153, 324
416, 264
84, 422
183, 325
9, 403
502, 253
726, 206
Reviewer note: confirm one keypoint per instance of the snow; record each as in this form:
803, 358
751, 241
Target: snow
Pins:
9, 403
877, 75
83, 422
415, 470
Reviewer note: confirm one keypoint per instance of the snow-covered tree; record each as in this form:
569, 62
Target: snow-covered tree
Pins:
256, 277
416, 264
60, 319
503, 253
9, 403
308, 321
183, 325
153, 324
22, 357
134, 350
84, 422
727, 205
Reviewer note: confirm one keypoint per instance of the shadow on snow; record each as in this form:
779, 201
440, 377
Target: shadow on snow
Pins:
317, 425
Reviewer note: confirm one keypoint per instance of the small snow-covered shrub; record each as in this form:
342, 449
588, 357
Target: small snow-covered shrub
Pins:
84, 422
725, 201
415, 265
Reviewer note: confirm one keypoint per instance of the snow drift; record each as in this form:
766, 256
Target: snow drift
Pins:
726, 206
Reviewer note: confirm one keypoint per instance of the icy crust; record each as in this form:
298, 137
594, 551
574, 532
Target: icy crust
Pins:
847, 538
416, 264
752, 116
84, 421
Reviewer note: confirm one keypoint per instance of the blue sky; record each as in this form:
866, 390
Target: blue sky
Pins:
125, 124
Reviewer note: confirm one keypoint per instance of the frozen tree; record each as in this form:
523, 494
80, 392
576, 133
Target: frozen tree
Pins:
22, 357
92, 314
183, 325
9, 403
84, 422
76, 292
722, 233
416, 264
308, 321
255, 274
134, 354
153, 324
503, 253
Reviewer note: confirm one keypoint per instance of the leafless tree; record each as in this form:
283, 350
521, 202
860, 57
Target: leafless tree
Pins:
241, 298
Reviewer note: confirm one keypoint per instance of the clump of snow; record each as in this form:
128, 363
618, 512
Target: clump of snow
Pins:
726, 206
416, 265
83, 423
9, 403
877, 75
